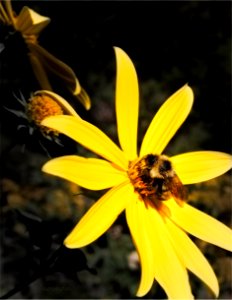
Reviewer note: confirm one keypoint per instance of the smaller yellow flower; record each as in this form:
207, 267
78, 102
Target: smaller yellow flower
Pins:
40, 107
43, 104
29, 23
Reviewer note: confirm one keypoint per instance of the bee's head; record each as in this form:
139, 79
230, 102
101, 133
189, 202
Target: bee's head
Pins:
165, 166
151, 160
160, 166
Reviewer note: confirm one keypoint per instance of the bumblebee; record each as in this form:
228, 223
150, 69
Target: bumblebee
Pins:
154, 178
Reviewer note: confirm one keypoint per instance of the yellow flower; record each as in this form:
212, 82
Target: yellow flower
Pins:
43, 104
29, 23
158, 227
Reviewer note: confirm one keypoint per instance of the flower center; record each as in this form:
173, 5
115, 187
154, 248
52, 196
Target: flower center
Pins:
154, 179
40, 107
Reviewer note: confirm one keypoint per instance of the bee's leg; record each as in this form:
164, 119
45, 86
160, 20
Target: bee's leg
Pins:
157, 187
180, 202
160, 206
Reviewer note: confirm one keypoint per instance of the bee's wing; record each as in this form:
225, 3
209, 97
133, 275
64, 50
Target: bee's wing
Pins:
177, 189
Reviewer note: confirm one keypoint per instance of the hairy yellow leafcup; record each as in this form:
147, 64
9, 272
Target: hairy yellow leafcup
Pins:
138, 181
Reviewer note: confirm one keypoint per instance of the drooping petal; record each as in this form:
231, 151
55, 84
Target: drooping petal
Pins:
139, 227
192, 257
194, 167
127, 103
90, 173
61, 71
89, 136
39, 72
84, 98
169, 270
200, 224
167, 121
100, 216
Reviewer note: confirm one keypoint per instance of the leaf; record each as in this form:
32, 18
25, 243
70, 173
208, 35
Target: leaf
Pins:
70, 261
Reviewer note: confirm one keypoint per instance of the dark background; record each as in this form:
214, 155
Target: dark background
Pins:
170, 43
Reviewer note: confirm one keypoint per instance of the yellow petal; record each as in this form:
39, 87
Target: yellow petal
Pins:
127, 103
169, 270
30, 22
100, 216
139, 227
200, 224
199, 166
7, 14
56, 66
89, 136
62, 71
39, 72
90, 173
4, 18
192, 257
63, 103
83, 97
167, 121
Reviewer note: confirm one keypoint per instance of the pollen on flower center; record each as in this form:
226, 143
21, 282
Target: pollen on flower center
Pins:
40, 107
154, 179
